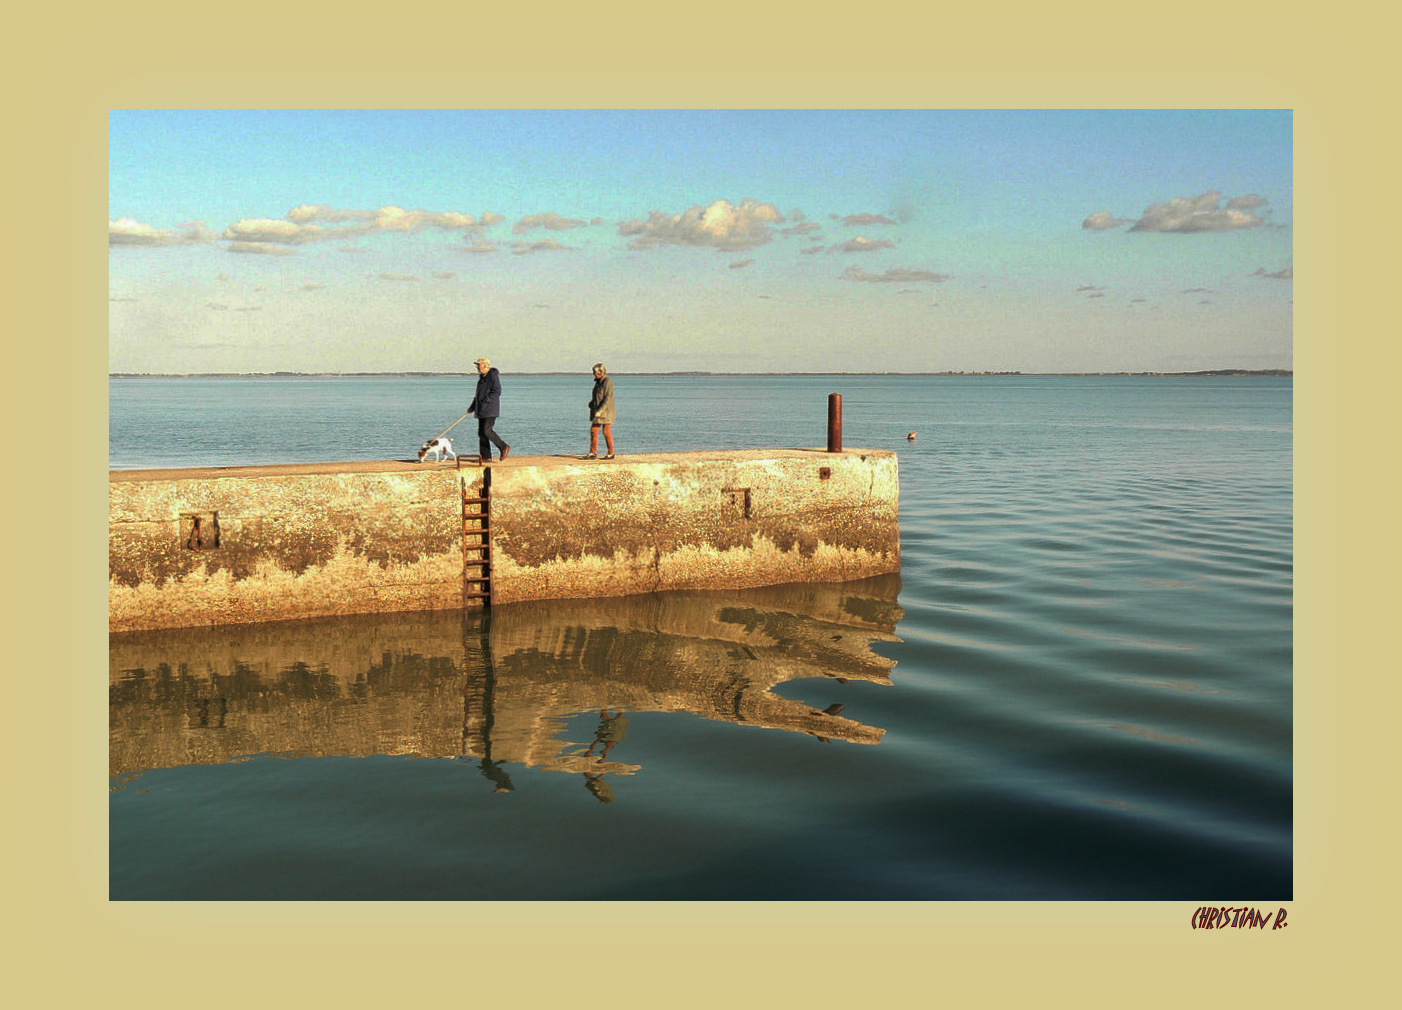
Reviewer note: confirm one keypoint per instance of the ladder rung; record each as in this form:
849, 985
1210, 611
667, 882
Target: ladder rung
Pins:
467, 501
475, 596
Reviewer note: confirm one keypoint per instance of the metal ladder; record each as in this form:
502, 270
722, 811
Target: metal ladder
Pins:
477, 544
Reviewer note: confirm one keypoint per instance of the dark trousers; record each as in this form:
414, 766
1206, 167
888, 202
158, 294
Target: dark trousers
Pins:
487, 437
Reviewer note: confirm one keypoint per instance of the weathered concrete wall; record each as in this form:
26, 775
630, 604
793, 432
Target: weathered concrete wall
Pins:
693, 521
313, 540
292, 544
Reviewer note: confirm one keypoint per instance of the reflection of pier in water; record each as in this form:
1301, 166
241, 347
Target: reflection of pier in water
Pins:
498, 685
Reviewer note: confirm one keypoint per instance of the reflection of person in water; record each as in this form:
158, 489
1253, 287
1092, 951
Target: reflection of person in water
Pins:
596, 785
612, 729
495, 772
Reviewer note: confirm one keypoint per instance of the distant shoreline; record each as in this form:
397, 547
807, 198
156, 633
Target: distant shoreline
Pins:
1204, 373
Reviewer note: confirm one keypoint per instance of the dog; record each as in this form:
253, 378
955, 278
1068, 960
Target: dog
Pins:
439, 448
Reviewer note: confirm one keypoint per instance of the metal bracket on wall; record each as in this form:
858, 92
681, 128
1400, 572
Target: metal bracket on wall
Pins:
201, 535
740, 496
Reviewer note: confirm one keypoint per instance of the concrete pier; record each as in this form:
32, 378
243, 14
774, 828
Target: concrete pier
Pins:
230, 545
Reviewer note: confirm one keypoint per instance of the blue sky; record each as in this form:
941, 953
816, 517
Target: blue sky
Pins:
379, 240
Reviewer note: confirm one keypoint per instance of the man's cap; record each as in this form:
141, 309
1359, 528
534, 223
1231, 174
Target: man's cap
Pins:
483, 361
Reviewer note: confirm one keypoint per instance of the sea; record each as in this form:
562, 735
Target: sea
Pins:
1078, 687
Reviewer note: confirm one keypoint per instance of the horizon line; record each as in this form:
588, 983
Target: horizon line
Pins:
1271, 372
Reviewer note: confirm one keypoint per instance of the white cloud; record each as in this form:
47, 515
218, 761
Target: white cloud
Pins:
480, 247
550, 221
864, 244
741, 264
546, 245
1248, 202
893, 275
398, 219
259, 248
273, 230
320, 223
862, 220
397, 277
1286, 274
388, 218
310, 212
802, 228
1196, 214
1102, 220
720, 225
127, 231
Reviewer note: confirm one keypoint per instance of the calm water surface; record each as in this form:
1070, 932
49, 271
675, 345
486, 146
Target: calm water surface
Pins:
1079, 686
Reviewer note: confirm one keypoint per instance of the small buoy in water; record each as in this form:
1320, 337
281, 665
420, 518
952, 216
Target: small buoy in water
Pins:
910, 437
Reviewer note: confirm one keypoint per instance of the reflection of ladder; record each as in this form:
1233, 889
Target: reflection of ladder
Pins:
477, 544
478, 681
479, 698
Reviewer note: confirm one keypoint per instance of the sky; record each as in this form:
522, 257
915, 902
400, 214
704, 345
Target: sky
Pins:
724, 241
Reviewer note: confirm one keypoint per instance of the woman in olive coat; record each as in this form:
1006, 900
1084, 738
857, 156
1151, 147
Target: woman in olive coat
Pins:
601, 412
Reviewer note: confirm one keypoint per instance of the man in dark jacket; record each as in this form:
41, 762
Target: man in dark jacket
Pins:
487, 406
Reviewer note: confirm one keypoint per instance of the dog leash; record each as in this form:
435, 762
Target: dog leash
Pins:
453, 425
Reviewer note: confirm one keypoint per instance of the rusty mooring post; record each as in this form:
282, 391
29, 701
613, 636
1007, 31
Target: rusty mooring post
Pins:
834, 422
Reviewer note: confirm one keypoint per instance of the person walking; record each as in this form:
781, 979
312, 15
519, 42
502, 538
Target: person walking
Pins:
601, 412
486, 404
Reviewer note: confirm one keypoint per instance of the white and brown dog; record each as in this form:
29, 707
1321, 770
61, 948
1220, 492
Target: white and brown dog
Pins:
438, 448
